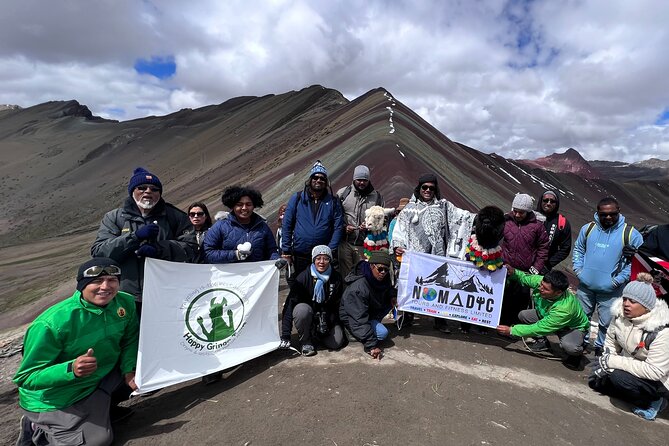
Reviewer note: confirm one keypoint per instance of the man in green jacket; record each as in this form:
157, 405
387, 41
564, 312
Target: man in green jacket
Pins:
556, 311
79, 361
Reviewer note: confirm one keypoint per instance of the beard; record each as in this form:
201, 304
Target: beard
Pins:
145, 204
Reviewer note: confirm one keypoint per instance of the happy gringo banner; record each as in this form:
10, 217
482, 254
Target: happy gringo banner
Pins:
199, 319
450, 288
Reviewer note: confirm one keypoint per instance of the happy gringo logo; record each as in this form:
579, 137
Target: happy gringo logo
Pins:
213, 316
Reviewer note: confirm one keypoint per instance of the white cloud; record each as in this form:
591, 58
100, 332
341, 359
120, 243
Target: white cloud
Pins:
517, 78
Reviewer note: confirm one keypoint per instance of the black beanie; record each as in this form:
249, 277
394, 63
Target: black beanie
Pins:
428, 178
97, 261
142, 176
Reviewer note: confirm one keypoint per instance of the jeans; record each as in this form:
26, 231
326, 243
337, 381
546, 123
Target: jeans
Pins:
379, 329
625, 386
603, 301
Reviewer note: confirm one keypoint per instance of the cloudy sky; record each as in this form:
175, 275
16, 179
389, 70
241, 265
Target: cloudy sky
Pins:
520, 78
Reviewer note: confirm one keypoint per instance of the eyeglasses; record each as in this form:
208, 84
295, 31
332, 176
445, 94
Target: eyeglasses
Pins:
143, 188
548, 200
196, 214
426, 187
608, 214
319, 178
96, 271
381, 269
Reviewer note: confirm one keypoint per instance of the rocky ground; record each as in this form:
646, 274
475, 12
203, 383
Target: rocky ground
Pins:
429, 389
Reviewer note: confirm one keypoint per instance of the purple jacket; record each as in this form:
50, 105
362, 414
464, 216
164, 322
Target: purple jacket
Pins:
525, 244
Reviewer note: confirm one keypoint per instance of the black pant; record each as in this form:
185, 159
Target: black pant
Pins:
625, 386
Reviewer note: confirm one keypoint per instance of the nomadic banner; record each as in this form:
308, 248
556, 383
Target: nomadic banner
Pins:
199, 319
450, 288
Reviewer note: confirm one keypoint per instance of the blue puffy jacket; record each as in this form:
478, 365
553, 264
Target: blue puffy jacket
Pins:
302, 230
222, 239
598, 260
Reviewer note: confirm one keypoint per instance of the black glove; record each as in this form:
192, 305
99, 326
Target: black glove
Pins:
629, 251
148, 232
147, 250
281, 264
600, 366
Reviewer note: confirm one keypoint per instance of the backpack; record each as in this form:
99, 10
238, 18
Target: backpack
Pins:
347, 192
562, 222
647, 337
627, 232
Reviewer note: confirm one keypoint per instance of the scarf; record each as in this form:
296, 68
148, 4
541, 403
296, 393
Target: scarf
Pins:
321, 278
372, 281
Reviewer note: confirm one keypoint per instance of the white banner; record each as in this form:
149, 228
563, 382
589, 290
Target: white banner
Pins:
450, 288
199, 319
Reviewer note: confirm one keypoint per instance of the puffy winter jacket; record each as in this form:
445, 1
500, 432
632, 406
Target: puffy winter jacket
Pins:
624, 336
116, 239
525, 244
598, 260
302, 228
222, 239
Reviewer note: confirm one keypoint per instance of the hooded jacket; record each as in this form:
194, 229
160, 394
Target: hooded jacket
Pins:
116, 239
354, 206
308, 223
657, 242
362, 303
525, 244
559, 240
220, 243
598, 260
565, 311
624, 336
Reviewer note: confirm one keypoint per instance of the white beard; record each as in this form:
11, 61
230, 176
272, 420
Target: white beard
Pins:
145, 204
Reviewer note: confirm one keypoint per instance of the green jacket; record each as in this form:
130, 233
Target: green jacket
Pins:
67, 330
554, 315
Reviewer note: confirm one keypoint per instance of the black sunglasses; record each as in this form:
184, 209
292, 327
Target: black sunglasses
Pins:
548, 200
96, 271
151, 188
381, 269
426, 187
319, 178
608, 214
196, 214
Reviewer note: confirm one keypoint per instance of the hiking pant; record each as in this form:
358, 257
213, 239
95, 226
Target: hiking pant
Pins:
625, 386
603, 301
349, 256
571, 339
303, 318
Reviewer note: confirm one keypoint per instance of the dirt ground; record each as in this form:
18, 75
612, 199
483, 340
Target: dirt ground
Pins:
429, 389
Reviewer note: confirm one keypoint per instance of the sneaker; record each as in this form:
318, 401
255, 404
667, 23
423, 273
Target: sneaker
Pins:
539, 345
26, 432
119, 413
284, 344
655, 408
212, 378
308, 350
574, 363
442, 326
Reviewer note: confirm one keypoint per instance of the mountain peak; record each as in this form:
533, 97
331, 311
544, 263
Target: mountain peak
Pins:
568, 162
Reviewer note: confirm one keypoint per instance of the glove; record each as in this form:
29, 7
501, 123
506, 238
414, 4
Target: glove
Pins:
240, 255
243, 250
148, 232
629, 251
281, 264
147, 250
600, 366
533, 270
284, 344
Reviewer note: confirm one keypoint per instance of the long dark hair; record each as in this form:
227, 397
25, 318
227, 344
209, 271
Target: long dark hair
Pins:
207, 221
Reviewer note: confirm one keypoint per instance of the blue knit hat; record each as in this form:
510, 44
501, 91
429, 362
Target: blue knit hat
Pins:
142, 176
318, 167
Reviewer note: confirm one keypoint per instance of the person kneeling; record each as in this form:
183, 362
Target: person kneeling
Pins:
79, 361
557, 311
313, 304
635, 364
367, 299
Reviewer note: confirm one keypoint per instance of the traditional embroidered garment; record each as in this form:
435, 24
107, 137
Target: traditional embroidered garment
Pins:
490, 259
375, 241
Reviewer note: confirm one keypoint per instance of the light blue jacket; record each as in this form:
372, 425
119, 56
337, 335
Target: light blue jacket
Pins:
598, 260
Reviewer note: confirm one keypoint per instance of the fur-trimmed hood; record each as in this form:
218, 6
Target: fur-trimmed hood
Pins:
656, 318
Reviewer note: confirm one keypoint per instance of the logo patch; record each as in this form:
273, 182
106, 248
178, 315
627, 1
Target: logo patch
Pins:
121, 312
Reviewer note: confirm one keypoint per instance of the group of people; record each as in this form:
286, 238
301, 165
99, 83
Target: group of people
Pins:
80, 355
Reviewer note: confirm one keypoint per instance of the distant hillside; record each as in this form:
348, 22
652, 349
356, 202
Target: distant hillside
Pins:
568, 162
648, 170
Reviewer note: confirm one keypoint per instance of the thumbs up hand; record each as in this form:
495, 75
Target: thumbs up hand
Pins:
85, 364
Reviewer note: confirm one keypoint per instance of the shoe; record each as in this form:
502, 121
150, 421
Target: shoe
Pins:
442, 326
308, 350
119, 413
598, 352
26, 432
284, 344
212, 378
574, 363
539, 345
655, 408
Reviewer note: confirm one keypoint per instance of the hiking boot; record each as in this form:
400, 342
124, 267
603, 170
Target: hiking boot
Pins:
212, 378
539, 345
442, 326
308, 350
26, 432
574, 363
119, 413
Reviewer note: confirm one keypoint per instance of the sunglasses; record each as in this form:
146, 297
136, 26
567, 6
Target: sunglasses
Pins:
430, 188
144, 188
608, 214
381, 269
196, 214
96, 271
319, 178
548, 200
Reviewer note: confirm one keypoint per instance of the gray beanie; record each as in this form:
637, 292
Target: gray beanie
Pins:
641, 291
522, 202
321, 249
361, 173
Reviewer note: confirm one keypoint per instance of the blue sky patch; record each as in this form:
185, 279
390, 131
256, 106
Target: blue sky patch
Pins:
663, 118
160, 67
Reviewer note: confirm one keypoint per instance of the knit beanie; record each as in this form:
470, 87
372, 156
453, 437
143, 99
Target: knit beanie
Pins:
641, 291
142, 176
97, 261
361, 173
522, 202
318, 167
319, 250
379, 257
428, 178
